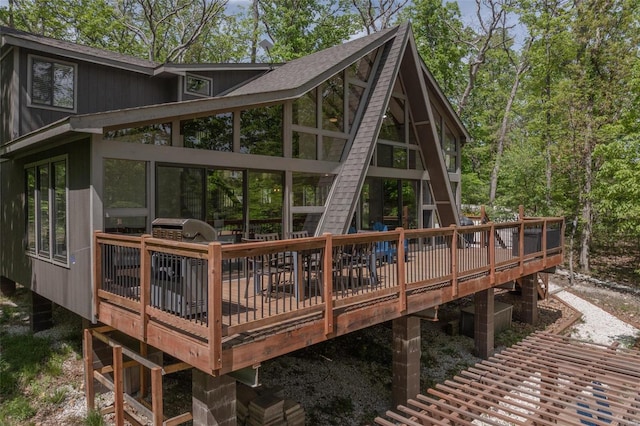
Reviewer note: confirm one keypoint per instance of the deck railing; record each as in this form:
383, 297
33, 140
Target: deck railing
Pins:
212, 291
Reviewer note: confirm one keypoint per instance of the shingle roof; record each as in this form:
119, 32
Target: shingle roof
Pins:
301, 73
344, 196
77, 48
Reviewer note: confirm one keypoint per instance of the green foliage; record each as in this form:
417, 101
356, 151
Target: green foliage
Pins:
437, 27
94, 418
521, 178
57, 397
617, 190
300, 27
22, 360
16, 411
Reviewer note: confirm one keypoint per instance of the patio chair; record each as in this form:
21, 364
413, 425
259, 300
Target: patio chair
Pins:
274, 267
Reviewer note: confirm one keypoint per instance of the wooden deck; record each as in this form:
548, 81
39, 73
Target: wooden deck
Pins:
222, 308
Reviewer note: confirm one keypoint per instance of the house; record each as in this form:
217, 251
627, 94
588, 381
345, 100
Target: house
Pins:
347, 138
93, 140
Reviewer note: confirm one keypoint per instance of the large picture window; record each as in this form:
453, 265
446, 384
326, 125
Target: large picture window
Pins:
46, 188
52, 83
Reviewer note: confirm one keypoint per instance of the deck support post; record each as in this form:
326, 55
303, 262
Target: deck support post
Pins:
213, 400
529, 286
7, 286
41, 313
406, 359
483, 327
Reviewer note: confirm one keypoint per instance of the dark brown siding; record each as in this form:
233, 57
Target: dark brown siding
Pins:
70, 286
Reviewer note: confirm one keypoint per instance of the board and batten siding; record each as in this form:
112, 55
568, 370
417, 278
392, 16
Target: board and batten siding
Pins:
99, 88
68, 286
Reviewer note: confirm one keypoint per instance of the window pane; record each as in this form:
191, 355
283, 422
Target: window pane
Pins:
399, 157
63, 81
438, 122
333, 104
197, 85
225, 202
60, 210
415, 160
332, 148
304, 110
265, 202
385, 155
43, 209
409, 204
41, 82
125, 184
214, 132
449, 148
311, 189
126, 225
426, 193
304, 146
180, 192
30, 178
154, 134
261, 131
355, 96
361, 70
393, 121
306, 222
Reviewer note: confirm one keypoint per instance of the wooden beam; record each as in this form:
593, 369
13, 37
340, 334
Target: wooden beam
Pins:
118, 386
156, 396
88, 370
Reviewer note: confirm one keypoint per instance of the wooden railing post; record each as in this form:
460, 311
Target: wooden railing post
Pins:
521, 245
156, 396
327, 283
544, 243
402, 281
483, 216
492, 255
97, 272
454, 261
214, 305
145, 285
118, 386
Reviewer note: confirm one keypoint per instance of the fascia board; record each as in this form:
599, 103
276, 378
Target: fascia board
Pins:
74, 55
34, 138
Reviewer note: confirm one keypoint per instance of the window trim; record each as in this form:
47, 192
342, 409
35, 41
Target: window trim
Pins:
52, 255
30, 102
199, 77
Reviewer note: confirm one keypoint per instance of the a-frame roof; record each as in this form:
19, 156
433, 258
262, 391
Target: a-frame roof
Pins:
399, 57
291, 81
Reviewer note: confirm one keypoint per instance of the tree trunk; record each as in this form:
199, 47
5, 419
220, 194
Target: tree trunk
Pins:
502, 136
587, 205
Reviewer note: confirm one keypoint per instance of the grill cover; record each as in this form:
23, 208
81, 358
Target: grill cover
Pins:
189, 230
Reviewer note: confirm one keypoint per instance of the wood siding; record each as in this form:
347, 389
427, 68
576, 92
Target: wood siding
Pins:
223, 80
66, 286
99, 88
6, 83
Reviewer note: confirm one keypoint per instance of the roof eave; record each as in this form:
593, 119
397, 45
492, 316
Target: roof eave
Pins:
71, 54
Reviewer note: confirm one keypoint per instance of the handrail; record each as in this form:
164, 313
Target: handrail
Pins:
138, 272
